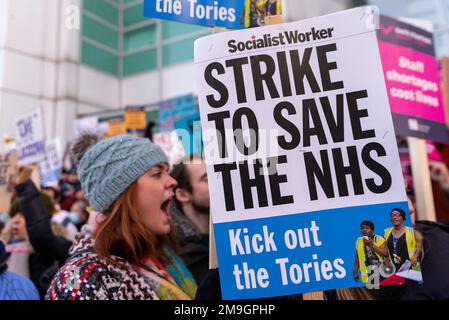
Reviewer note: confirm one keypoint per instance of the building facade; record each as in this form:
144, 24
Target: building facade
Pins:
74, 57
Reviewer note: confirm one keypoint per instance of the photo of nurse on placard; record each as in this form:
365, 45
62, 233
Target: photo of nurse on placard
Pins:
255, 12
371, 251
391, 258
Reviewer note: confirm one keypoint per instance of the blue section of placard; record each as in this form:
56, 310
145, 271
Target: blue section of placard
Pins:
326, 261
175, 109
211, 13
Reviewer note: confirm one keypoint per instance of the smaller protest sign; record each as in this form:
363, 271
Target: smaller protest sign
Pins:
8, 170
412, 79
189, 131
170, 144
432, 152
256, 11
116, 126
135, 120
9, 143
406, 165
211, 13
31, 137
51, 167
173, 110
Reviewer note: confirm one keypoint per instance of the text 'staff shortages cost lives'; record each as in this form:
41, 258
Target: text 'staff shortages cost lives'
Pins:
413, 80
288, 196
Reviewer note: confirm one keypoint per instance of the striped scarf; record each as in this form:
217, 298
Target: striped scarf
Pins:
171, 281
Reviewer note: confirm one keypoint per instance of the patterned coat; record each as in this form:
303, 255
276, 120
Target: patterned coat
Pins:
85, 276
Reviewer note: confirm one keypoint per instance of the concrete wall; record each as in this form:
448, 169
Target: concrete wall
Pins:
35, 70
40, 67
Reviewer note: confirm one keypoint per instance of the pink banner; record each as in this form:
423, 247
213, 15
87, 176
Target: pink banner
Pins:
413, 82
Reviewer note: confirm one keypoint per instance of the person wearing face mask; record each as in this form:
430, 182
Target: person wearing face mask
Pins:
130, 254
79, 214
61, 217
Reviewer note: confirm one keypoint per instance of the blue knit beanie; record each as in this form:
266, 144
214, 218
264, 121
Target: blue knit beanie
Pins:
109, 167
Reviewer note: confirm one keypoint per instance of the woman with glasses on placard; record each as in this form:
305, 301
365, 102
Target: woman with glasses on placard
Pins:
400, 239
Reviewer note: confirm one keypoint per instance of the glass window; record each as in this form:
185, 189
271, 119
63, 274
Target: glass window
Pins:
100, 33
141, 37
102, 9
179, 51
129, 1
134, 15
99, 59
173, 29
140, 62
177, 38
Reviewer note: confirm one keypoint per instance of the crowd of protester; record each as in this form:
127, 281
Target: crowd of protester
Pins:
121, 224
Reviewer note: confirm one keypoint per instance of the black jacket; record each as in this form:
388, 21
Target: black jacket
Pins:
50, 251
193, 250
435, 264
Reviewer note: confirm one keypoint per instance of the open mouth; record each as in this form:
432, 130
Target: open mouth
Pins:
165, 206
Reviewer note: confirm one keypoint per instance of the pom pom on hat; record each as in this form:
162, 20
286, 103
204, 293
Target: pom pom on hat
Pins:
83, 143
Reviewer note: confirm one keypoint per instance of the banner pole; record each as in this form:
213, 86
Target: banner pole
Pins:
213, 261
421, 179
445, 87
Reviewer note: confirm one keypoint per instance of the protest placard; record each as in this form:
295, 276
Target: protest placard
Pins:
211, 13
30, 137
404, 155
171, 145
51, 167
8, 170
413, 80
116, 126
300, 149
175, 109
256, 12
135, 120
189, 131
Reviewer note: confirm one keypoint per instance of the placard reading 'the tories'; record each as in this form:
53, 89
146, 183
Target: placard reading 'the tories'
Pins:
300, 150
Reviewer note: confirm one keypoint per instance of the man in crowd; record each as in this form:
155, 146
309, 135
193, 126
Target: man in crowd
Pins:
191, 215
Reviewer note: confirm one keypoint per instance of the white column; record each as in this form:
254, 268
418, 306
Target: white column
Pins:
66, 85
